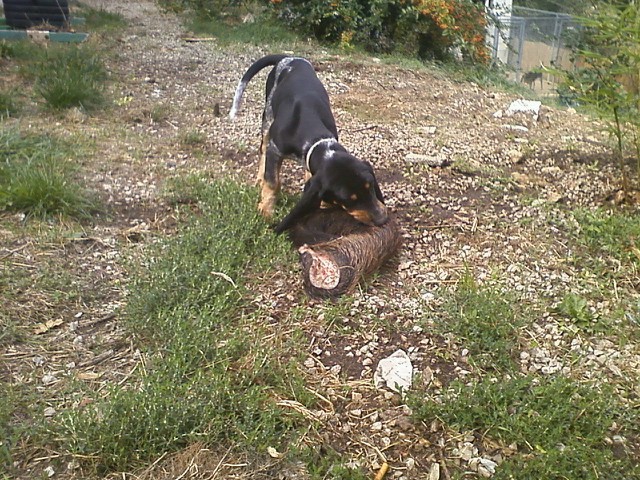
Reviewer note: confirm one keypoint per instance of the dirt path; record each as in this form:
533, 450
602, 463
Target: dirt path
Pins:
489, 207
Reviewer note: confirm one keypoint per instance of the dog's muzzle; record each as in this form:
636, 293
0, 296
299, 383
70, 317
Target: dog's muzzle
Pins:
377, 216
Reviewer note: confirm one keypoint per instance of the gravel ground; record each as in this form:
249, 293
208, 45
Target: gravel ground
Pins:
495, 204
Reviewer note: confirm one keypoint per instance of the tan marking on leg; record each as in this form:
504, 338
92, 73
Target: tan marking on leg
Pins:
268, 199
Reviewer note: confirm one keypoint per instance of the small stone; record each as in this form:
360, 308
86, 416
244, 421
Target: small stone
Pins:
49, 379
309, 363
618, 439
376, 426
336, 369
434, 472
49, 412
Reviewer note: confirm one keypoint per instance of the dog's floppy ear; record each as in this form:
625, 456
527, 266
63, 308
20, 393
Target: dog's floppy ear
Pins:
309, 202
376, 187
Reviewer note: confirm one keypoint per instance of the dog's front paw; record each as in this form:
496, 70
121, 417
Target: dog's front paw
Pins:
280, 228
266, 209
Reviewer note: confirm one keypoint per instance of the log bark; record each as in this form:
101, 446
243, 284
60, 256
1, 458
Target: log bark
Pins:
337, 251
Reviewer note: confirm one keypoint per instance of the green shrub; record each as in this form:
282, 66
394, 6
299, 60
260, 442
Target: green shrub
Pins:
608, 77
428, 29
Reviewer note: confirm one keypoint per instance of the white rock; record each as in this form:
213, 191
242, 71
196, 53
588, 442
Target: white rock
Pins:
524, 106
490, 465
395, 371
518, 128
434, 472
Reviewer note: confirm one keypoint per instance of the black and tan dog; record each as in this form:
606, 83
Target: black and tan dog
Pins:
297, 123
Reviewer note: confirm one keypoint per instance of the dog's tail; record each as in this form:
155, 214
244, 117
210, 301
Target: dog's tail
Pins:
268, 61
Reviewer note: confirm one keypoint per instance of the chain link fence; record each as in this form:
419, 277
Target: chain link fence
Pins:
529, 39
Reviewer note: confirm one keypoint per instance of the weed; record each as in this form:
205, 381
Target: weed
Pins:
185, 311
576, 308
487, 323
37, 178
560, 427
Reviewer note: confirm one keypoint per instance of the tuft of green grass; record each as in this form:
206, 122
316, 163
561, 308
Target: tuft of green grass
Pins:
487, 322
38, 178
18, 403
99, 19
192, 138
560, 427
9, 106
69, 76
213, 371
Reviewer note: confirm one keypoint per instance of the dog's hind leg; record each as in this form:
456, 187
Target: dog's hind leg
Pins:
262, 158
269, 179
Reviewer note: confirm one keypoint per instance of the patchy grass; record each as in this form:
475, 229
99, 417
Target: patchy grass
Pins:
264, 32
486, 322
9, 105
101, 20
610, 234
37, 177
556, 428
187, 313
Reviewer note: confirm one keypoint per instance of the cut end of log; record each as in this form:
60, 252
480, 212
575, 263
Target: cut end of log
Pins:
324, 272
337, 251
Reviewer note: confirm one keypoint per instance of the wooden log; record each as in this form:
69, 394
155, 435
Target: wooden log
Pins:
337, 251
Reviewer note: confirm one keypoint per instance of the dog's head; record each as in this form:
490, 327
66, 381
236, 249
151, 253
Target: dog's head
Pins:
350, 183
344, 181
